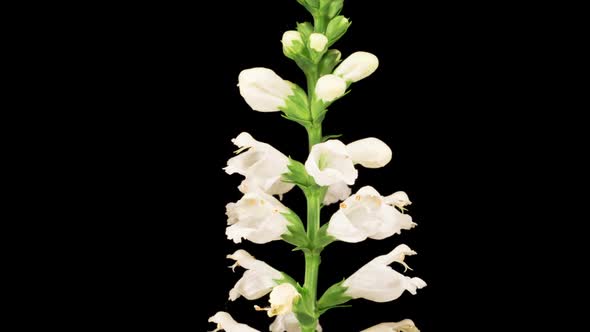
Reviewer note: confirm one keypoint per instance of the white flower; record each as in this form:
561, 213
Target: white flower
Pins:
330, 88
336, 193
370, 152
330, 163
258, 279
281, 300
378, 282
357, 66
226, 323
261, 164
367, 215
405, 325
263, 90
256, 217
318, 42
288, 323
398, 199
291, 36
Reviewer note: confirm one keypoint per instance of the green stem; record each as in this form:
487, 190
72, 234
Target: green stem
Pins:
314, 134
312, 258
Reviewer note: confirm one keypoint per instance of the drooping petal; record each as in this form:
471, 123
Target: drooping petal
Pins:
263, 89
261, 164
405, 325
257, 281
256, 217
370, 152
329, 163
378, 282
399, 199
225, 322
336, 192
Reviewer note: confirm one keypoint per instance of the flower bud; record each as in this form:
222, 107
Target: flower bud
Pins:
337, 28
330, 87
357, 66
318, 42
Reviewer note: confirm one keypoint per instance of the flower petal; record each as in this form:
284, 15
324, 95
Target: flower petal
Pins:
370, 152
226, 323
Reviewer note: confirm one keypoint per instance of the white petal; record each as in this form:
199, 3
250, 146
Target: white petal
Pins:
225, 322
405, 325
378, 282
263, 90
256, 217
336, 164
288, 323
357, 66
365, 215
370, 152
257, 281
330, 88
281, 300
336, 192
261, 164
291, 36
318, 42
399, 199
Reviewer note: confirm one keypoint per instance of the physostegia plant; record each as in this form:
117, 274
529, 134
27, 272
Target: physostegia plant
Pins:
324, 178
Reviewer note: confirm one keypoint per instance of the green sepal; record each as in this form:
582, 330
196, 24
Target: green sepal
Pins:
303, 309
333, 297
298, 175
297, 106
305, 29
328, 137
323, 239
329, 62
287, 279
295, 233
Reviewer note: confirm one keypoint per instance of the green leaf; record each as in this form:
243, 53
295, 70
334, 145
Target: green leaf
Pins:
298, 175
333, 297
295, 233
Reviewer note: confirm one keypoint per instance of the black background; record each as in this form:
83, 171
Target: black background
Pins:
454, 83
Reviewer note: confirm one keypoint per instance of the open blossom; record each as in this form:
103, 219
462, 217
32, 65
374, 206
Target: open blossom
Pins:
337, 192
258, 279
225, 322
281, 300
288, 323
405, 325
256, 217
261, 164
264, 90
378, 282
367, 214
332, 162
357, 66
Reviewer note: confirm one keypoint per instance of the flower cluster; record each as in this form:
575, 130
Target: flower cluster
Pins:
325, 177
